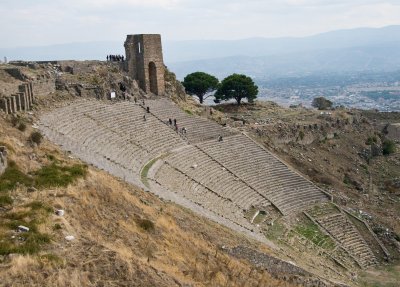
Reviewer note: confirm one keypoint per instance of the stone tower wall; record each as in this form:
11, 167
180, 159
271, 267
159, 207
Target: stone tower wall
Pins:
145, 62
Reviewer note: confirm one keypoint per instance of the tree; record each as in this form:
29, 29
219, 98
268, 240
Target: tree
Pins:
237, 87
321, 103
388, 147
199, 84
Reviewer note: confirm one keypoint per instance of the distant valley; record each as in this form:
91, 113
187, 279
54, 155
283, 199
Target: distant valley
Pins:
288, 70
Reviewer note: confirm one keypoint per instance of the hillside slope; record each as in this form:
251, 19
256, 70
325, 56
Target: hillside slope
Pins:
122, 235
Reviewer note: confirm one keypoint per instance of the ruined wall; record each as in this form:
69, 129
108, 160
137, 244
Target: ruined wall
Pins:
44, 87
145, 62
21, 101
26, 85
3, 159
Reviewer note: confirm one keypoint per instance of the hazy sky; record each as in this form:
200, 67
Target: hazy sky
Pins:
42, 22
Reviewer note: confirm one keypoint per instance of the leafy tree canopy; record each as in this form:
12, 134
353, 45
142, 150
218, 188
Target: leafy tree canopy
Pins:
199, 84
237, 87
321, 103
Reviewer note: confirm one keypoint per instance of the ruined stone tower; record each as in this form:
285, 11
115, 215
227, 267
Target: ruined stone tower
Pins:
145, 62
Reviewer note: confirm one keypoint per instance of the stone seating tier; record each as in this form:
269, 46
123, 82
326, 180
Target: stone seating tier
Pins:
203, 169
287, 190
179, 183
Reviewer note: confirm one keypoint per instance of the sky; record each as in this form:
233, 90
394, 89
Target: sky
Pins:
46, 22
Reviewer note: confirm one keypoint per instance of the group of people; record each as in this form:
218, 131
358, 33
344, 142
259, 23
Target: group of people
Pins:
173, 123
115, 58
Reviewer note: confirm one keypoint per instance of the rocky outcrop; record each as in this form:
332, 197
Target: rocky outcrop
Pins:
173, 88
393, 131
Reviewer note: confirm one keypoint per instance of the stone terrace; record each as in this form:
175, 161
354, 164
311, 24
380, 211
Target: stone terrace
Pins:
264, 173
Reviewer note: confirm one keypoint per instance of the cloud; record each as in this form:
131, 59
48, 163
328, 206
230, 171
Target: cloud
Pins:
55, 21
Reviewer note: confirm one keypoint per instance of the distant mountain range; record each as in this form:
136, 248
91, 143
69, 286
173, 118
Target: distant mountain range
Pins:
383, 57
363, 49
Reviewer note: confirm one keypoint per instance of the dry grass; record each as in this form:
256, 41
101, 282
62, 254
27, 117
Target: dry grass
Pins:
112, 249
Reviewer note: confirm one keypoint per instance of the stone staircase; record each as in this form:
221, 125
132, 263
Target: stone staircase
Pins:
339, 226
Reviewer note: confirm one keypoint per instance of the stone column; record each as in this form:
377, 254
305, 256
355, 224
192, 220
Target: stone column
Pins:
3, 105
23, 102
30, 87
20, 98
9, 106
24, 89
14, 103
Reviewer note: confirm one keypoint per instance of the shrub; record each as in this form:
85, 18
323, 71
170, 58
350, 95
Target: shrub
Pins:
347, 179
36, 137
301, 135
145, 224
388, 147
57, 226
22, 127
371, 140
51, 157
